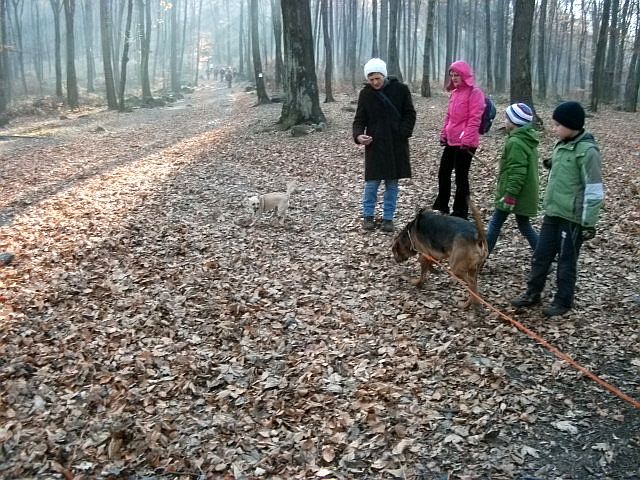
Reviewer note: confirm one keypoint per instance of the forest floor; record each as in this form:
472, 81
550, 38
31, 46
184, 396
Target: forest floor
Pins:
147, 331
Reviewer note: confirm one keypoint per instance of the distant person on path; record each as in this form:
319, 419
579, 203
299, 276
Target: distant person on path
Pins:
517, 185
383, 123
228, 77
460, 137
572, 203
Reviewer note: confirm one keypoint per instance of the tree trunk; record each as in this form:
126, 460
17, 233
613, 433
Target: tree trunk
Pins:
125, 55
567, 89
501, 45
38, 62
255, 50
633, 76
302, 104
144, 14
88, 40
276, 14
105, 33
384, 30
393, 65
609, 73
4, 60
328, 53
487, 27
198, 45
521, 52
173, 49
18, 8
72, 81
374, 24
448, 52
241, 41
56, 6
352, 47
425, 88
597, 86
542, 72
620, 58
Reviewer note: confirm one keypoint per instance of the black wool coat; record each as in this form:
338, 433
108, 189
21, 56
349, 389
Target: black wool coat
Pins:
387, 157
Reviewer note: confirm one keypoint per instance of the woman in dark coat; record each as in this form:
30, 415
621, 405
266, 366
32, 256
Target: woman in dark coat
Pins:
383, 123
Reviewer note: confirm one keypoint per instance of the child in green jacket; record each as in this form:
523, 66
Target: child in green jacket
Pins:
572, 203
517, 188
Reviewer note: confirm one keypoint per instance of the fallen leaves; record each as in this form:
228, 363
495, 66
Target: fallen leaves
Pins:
146, 331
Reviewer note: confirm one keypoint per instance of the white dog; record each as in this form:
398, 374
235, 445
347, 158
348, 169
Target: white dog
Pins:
277, 202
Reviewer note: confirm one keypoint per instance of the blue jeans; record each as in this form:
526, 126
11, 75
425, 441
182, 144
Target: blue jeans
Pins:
562, 238
370, 198
524, 225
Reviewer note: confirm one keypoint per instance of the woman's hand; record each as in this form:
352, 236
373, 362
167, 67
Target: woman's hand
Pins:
364, 139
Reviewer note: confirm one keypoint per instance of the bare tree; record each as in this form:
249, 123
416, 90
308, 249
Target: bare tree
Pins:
393, 65
56, 7
72, 81
425, 89
328, 53
105, 31
125, 55
542, 27
302, 104
384, 29
144, 25
255, 50
276, 15
88, 41
521, 52
598, 63
633, 76
374, 23
4, 60
608, 94
489, 49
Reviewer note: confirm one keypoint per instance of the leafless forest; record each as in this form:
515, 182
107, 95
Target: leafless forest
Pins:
150, 330
137, 51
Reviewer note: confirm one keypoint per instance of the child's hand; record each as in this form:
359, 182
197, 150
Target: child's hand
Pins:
588, 233
509, 202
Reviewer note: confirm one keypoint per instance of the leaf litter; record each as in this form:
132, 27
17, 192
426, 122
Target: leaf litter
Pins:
148, 331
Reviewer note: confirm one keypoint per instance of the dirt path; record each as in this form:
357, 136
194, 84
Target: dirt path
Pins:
145, 331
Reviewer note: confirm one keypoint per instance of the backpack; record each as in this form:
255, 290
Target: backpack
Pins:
488, 115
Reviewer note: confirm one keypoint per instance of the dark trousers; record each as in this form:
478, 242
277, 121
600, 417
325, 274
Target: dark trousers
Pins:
562, 238
454, 158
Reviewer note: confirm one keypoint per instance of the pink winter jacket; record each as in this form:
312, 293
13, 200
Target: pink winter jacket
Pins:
464, 113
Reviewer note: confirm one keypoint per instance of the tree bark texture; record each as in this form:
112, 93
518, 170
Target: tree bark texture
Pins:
302, 104
72, 81
520, 52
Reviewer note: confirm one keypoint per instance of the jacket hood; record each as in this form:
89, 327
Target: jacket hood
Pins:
526, 134
464, 70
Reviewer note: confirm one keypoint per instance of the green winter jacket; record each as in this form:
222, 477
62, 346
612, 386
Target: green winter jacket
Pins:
575, 191
518, 172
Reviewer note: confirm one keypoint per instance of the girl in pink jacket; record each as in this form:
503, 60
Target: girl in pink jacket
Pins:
460, 137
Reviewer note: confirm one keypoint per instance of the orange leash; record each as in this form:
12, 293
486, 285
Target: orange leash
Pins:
562, 356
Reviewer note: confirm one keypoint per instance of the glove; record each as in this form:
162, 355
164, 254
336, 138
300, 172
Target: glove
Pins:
508, 203
588, 233
546, 163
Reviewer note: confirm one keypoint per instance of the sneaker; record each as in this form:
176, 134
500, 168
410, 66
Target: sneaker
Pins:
526, 300
554, 310
368, 223
387, 226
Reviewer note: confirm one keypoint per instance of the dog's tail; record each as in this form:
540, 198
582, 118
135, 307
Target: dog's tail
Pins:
291, 187
482, 236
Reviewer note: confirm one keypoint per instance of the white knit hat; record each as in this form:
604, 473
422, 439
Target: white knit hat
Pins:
519, 114
375, 65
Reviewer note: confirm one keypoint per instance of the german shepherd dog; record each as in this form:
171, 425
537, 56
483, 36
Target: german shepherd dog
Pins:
436, 236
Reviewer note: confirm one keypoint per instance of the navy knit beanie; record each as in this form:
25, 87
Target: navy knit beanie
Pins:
570, 115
